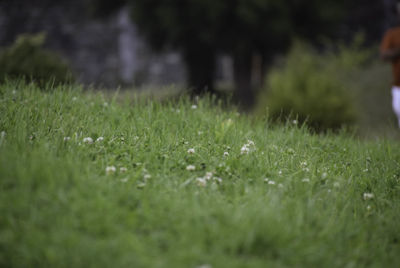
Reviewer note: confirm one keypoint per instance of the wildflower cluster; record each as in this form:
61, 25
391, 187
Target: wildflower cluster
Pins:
248, 147
209, 176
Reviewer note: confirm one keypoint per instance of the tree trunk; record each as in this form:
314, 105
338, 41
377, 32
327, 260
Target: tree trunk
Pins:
201, 65
242, 63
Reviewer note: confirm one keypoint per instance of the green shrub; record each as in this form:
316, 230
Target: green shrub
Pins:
312, 88
26, 58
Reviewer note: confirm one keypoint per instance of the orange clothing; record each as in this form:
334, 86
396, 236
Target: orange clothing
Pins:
391, 40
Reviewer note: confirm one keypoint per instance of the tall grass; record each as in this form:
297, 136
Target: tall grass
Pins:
289, 199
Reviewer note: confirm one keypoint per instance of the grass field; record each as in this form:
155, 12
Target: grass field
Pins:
88, 181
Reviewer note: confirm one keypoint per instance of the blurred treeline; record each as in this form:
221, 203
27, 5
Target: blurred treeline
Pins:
284, 52
252, 32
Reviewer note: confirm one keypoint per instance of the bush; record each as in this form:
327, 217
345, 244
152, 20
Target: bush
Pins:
312, 88
27, 59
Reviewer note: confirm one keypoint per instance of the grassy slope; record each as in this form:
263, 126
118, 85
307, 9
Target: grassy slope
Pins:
59, 208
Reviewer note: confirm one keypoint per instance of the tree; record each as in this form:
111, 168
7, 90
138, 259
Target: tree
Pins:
201, 29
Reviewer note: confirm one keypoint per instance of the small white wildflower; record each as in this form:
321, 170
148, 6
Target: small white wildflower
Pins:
250, 143
226, 154
208, 175
218, 179
306, 169
124, 180
147, 177
67, 138
280, 172
88, 140
305, 180
271, 182
266, 180
324, 175
110, 169
123, 169
186, 142
201, 182
244, 149
74, 98
295, 122
194, 107
303, 164
367, 196
199, 133
190, 168
368, 207
105, 104
99, 139
191, 151
14, 92
365, 170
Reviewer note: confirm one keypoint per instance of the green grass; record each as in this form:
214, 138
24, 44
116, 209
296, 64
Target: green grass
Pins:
60, 208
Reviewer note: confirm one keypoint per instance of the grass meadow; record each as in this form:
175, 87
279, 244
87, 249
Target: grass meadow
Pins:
93, 181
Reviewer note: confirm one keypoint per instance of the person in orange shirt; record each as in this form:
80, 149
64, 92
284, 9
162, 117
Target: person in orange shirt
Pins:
390, 51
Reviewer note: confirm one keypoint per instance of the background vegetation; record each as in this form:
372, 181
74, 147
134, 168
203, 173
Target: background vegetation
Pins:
27, 59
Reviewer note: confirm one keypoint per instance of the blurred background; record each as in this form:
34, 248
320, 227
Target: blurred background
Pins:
311, 60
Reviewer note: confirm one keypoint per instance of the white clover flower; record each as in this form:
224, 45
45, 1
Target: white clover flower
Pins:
303, 164
218, 179
190, 167
110, 170
271, 182
123, 169
67, 138
124, 180
201, 182
186, 142
244, 149
324, 175
295, 122
305, 180
191, 151
74, 98
99, 139
367, 196
250, 143
280, 172
88, 140
147, 177
208, 175
266, 180
226, 154
368, 207
194, 107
